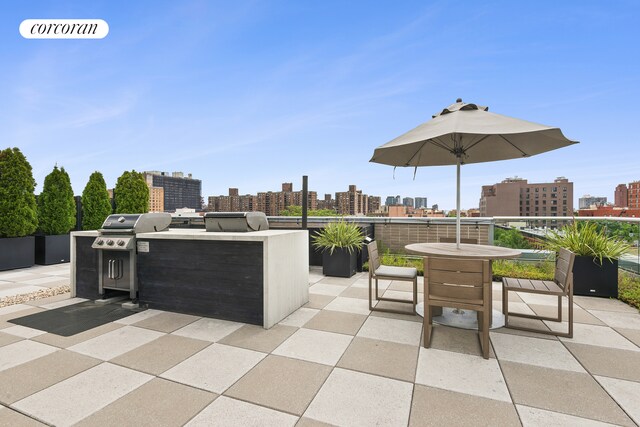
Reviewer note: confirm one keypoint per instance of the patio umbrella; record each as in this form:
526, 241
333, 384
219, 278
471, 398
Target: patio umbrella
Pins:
467, 133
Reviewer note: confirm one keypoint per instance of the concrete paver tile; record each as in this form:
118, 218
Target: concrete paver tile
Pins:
383, 358
225, 411
315, 346
147, 406
225, 365
336, 321
357, 399
400, 331
116, 342
75, 398
160, 354
436, 407
253, 337
556, 390
28, 378
281, 383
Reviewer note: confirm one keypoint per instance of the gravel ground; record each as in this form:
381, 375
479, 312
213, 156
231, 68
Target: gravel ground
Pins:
44, 293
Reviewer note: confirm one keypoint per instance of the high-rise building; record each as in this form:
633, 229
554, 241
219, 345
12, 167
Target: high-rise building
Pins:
516, 197
392, 201
587, 200
270, 202
408, 202
327, 203
421, 202
351, 202
156, 199
621, 196
634, 195
178, 191
374, 204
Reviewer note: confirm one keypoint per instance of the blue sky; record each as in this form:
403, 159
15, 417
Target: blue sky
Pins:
251, 94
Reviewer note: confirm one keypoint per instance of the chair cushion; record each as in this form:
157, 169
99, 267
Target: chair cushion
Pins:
400, 272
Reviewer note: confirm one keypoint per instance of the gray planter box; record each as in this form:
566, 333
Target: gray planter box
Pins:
592, 279
339, 264
52, 249
16, 252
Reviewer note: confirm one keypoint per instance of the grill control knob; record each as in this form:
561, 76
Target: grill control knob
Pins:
120, 242
109, 242
100, 242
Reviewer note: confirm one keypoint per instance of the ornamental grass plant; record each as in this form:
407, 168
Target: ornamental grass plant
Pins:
584, 239
339, 234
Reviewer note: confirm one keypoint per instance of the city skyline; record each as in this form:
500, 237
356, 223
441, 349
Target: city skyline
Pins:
254, 94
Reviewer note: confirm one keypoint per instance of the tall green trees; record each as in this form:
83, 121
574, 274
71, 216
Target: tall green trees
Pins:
18, 215
131, 193
95, 202
56, 205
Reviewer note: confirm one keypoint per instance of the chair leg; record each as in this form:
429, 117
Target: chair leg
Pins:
377, 296
415, 294
570, 297
370, 300
505, 306
559, 308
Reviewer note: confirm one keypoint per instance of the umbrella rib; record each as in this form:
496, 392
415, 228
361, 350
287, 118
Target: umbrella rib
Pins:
476, 143
514, 146
416, 153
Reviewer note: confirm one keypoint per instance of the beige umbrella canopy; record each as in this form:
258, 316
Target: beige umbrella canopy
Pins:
468, 133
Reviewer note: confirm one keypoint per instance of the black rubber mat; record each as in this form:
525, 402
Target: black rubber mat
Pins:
76, 318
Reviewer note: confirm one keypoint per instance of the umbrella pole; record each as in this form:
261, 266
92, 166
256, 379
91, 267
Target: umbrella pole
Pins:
458, 204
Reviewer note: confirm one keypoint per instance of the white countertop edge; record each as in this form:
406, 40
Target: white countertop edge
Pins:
201, 234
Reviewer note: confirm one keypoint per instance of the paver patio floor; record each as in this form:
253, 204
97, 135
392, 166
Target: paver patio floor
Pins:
331, 362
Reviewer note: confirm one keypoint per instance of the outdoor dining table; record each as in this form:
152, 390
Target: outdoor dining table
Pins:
465, 319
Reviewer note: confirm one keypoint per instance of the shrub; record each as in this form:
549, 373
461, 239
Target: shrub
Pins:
585, 240
523, 270
339, 234
131, 193
18, 214
629, 288
56, 205
96, 206
511, 238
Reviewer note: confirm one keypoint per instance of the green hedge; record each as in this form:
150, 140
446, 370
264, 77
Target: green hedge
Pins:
96, 206
56, 205
131, 193
18, 212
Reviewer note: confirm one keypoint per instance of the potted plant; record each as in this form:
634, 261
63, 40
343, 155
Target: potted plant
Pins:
56, 217
595, 270
96, 206
339, 242
18, 217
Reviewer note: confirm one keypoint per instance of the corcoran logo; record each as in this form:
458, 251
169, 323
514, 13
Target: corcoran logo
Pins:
64, 29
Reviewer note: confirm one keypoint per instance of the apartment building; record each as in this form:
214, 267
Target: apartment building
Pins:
517, 197
178, 191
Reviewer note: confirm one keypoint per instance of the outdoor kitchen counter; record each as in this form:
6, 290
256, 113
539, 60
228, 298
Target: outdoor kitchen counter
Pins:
256, 277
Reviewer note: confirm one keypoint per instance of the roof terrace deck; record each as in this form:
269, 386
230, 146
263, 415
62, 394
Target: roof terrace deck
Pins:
331, 361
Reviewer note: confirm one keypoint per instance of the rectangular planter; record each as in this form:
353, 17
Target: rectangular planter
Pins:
16, 252
592, 279
52, 249
339, 264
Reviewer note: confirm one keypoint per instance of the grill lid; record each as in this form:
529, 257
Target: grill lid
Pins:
235, 221
137, 223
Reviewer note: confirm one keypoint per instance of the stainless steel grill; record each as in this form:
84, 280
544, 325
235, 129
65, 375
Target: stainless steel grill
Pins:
116, 244
235, 221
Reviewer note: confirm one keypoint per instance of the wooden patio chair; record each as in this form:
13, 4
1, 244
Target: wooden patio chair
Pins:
387, 272
458, 283
562, 285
